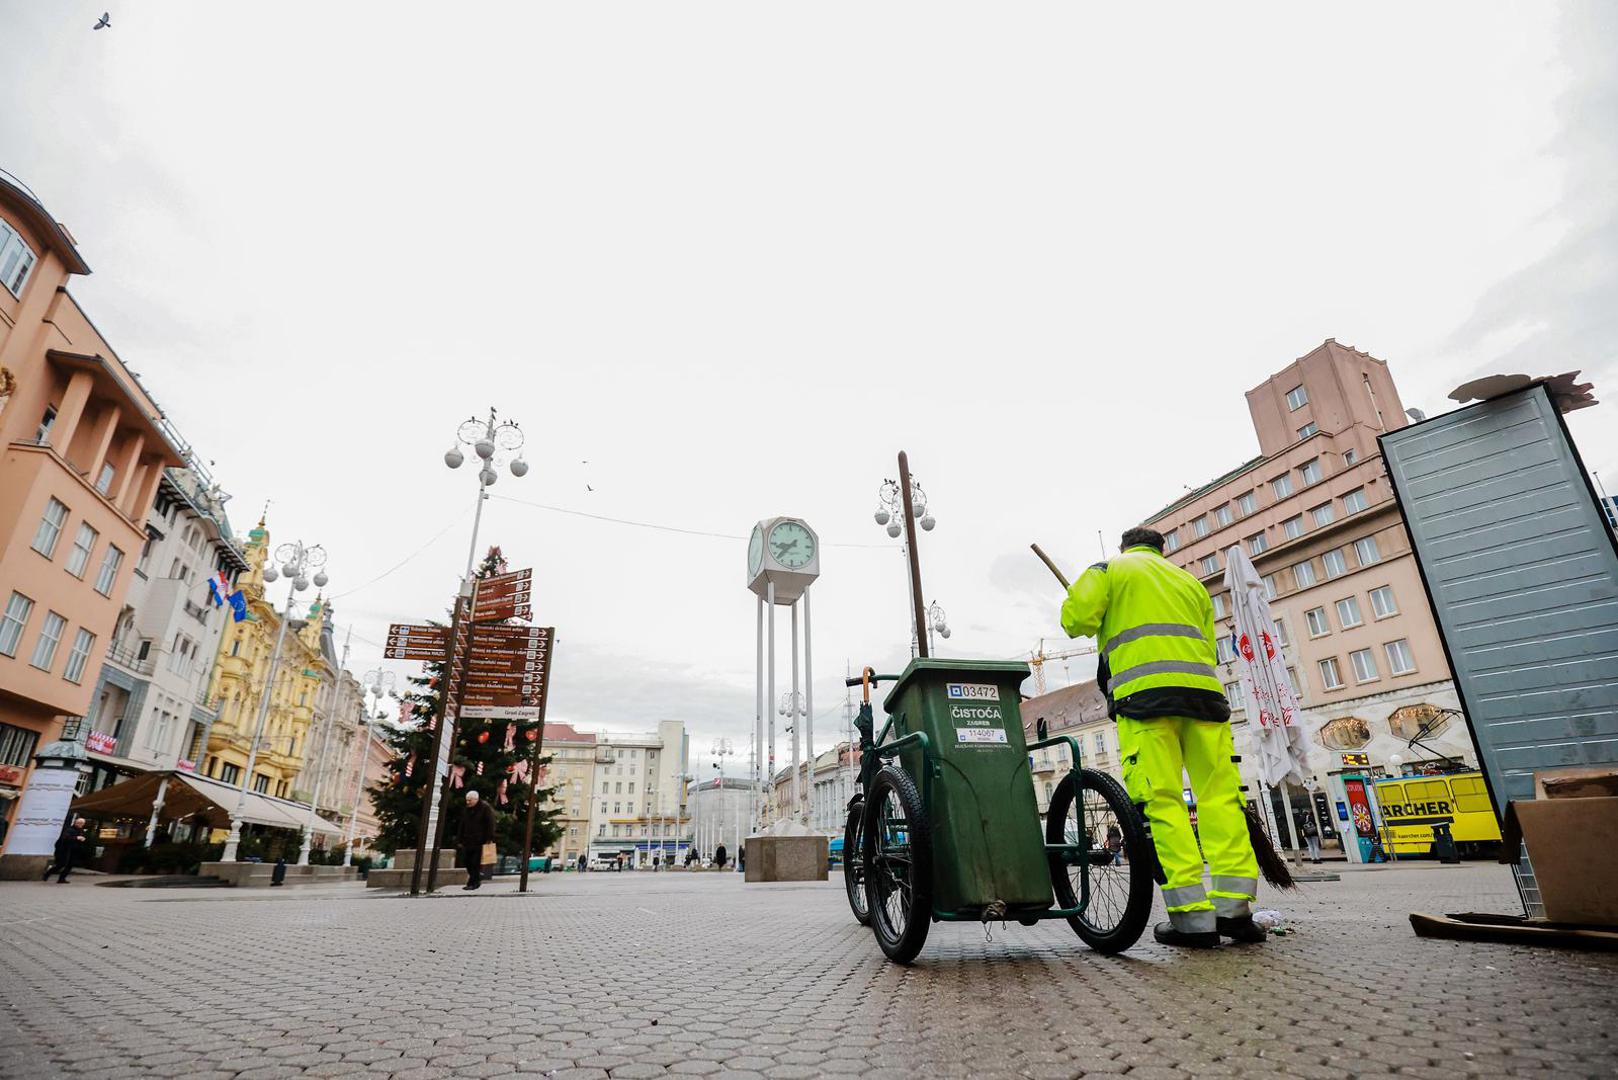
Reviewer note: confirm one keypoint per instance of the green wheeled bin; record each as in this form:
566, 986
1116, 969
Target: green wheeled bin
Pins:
988, 850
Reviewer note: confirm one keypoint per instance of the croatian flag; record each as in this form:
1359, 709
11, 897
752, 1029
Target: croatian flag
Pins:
218, 589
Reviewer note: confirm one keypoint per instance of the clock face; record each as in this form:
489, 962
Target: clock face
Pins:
792, 545
755, 551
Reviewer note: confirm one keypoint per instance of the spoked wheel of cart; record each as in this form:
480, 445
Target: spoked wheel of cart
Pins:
1109, 844
854, 863
898, 864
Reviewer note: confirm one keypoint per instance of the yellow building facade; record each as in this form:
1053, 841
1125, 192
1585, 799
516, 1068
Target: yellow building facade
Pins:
244, 659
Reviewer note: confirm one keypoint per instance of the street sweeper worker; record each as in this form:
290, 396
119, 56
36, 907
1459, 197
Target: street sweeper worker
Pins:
1154, 628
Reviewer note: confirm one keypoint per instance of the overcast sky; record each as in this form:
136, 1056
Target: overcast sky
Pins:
735, 256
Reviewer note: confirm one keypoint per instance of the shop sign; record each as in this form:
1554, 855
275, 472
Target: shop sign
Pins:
11, 774
100, 742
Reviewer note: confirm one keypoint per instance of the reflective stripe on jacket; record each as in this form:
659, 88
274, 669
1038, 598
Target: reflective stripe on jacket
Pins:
1154, 626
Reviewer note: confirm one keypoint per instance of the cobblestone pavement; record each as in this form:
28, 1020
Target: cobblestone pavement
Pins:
640, 975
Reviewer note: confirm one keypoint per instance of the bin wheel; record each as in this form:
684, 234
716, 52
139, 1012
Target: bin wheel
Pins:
1119, 864
854, 863
898, 857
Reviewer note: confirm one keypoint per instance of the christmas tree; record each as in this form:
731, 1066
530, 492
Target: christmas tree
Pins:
492, 757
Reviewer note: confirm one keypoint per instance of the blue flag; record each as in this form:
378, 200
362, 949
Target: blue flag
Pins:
216, 592
238, 605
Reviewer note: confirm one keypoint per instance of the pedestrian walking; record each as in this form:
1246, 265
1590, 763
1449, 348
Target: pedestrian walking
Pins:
719, 856
72, 848
1154, 624
475, 829
1311, 836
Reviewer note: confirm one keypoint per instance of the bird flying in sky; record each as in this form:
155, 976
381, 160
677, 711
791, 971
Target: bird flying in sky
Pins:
106, 21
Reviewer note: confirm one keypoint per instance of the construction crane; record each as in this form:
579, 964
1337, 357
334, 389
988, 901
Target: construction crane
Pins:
1037, 660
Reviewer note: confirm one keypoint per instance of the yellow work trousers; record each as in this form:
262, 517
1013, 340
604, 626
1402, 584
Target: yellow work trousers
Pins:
1157, 755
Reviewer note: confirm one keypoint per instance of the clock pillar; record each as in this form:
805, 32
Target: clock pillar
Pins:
783, 561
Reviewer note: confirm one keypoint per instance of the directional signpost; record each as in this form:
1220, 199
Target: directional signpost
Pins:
492, 672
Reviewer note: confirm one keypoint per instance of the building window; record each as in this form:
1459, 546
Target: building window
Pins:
1354, 501
1271, 589
1222, 515
1101, 742
1366, 552
1308, 430
1210, 563
50, 636
602, 831
1335, 563
1330, 677
50, 528
1246, 504
1364, 665
1292, 527
1382, 602
1171, 540
1310, 471
1257, 543
1292, 677
108, 575
14, 622
1400, 662
104, 481
83, 642
1297, 398
1199, 527
1218, 605
1316, 619
1231, 691
1281, 634
1225, 650
1348, 612
261, 783
1350, 456
229, 773
16, 260
83, 544
16, 745
1322, 515
1281, 487
43, 433
1304, 574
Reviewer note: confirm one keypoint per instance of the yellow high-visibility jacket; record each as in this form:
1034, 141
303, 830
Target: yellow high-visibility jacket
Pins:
1154, 626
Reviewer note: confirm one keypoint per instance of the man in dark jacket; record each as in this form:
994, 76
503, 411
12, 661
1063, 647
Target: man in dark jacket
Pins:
475, 829
72, 847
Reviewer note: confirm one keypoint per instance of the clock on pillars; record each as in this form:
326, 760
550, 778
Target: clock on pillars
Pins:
783, 560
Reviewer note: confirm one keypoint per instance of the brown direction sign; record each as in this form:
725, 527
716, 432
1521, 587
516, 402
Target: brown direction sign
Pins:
504, 597
407, 641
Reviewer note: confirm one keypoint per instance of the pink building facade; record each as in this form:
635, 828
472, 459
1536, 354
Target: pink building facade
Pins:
1314, 513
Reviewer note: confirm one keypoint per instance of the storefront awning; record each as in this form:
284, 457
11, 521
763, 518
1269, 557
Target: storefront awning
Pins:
190, 796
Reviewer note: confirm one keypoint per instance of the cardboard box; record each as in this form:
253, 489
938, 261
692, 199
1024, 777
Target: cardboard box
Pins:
1573, 844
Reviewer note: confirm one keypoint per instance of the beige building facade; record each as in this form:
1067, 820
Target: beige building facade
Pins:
572, 773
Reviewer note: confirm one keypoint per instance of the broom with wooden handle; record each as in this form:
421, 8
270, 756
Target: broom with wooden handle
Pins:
1270, 863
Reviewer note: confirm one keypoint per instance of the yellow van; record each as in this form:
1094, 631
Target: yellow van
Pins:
1411, 805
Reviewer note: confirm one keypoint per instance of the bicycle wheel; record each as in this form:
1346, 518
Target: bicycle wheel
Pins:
854, 864
1120, 860
898, 864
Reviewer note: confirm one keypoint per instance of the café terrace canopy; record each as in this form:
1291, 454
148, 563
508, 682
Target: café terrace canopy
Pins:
189, 794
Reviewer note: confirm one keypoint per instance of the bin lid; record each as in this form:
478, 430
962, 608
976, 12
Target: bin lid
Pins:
922, 668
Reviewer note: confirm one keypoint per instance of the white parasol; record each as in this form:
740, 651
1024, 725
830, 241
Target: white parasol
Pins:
1272, 708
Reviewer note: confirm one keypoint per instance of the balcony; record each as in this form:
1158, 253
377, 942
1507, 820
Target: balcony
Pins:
128, 657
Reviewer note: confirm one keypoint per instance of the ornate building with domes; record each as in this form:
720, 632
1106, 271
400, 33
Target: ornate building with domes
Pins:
305, 667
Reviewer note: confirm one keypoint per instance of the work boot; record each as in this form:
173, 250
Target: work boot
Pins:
1243, 930
1166, 934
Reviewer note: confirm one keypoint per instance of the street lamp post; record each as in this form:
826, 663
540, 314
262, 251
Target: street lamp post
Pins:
379, 684
491, 440
892, 502
937, 623
297, 562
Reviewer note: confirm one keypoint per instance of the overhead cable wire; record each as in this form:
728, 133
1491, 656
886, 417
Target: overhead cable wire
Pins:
402, 562
651, 524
